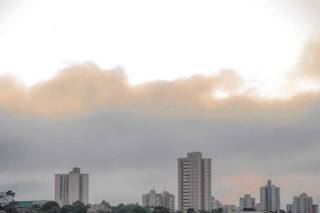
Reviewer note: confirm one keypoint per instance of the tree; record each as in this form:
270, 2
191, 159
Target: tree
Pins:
129, 208
36, 207
219, 210
79, 207
249, 209
160, 210
191, 210
67, 209
11, 210
11, 193
50, 207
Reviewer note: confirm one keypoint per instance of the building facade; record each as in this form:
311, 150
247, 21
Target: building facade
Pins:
270, 198
194, 182
216, 204
103, 207
72, 187
302, 204
154, 199
247, 202
6, 198
227, 208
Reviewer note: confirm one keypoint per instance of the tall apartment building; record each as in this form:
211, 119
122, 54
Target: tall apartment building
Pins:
71, 187
270, 198
247, 202
164, 199
302, 204
194, 182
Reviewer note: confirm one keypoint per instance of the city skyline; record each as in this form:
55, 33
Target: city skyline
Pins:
123, 88
73, 186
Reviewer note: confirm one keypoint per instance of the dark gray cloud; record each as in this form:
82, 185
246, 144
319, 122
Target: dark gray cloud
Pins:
126, 153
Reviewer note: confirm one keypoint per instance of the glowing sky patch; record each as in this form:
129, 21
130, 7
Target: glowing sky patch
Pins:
153, 40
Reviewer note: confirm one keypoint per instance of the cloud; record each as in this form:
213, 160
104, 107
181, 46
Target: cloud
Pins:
127, 153
309, 66
86, 88
128, 137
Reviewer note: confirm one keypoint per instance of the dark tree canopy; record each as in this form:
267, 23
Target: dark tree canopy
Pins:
160, 210
129, 208
11, 210
191, 210
219, 210
49, 205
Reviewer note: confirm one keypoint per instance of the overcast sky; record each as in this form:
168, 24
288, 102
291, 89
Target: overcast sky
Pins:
236, 80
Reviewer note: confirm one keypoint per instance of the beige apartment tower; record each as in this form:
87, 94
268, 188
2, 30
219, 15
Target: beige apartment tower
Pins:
194, 182
71, 187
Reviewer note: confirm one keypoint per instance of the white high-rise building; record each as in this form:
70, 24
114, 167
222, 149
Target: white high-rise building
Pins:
247, 202
71, 187
164, 199
194, 182
270, 198
302, 204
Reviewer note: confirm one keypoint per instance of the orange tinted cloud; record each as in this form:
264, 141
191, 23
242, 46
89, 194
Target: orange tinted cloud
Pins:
84, 88
309, 66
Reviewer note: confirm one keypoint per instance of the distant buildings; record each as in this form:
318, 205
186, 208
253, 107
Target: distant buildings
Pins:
216, 204
6, 198
247, 202
72, 187
270, 198
164, 199
228, 208
27, 206
302, 204
194, 182
103, 207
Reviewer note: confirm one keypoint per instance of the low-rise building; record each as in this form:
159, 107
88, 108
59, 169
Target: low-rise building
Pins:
216, 204
154, 199
103, 207
27, 206
247, 202
226, 208
6, 198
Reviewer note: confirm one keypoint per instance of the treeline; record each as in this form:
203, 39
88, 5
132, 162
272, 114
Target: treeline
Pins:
50, 207
79, 207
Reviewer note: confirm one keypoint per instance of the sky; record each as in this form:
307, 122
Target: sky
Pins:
122, 89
